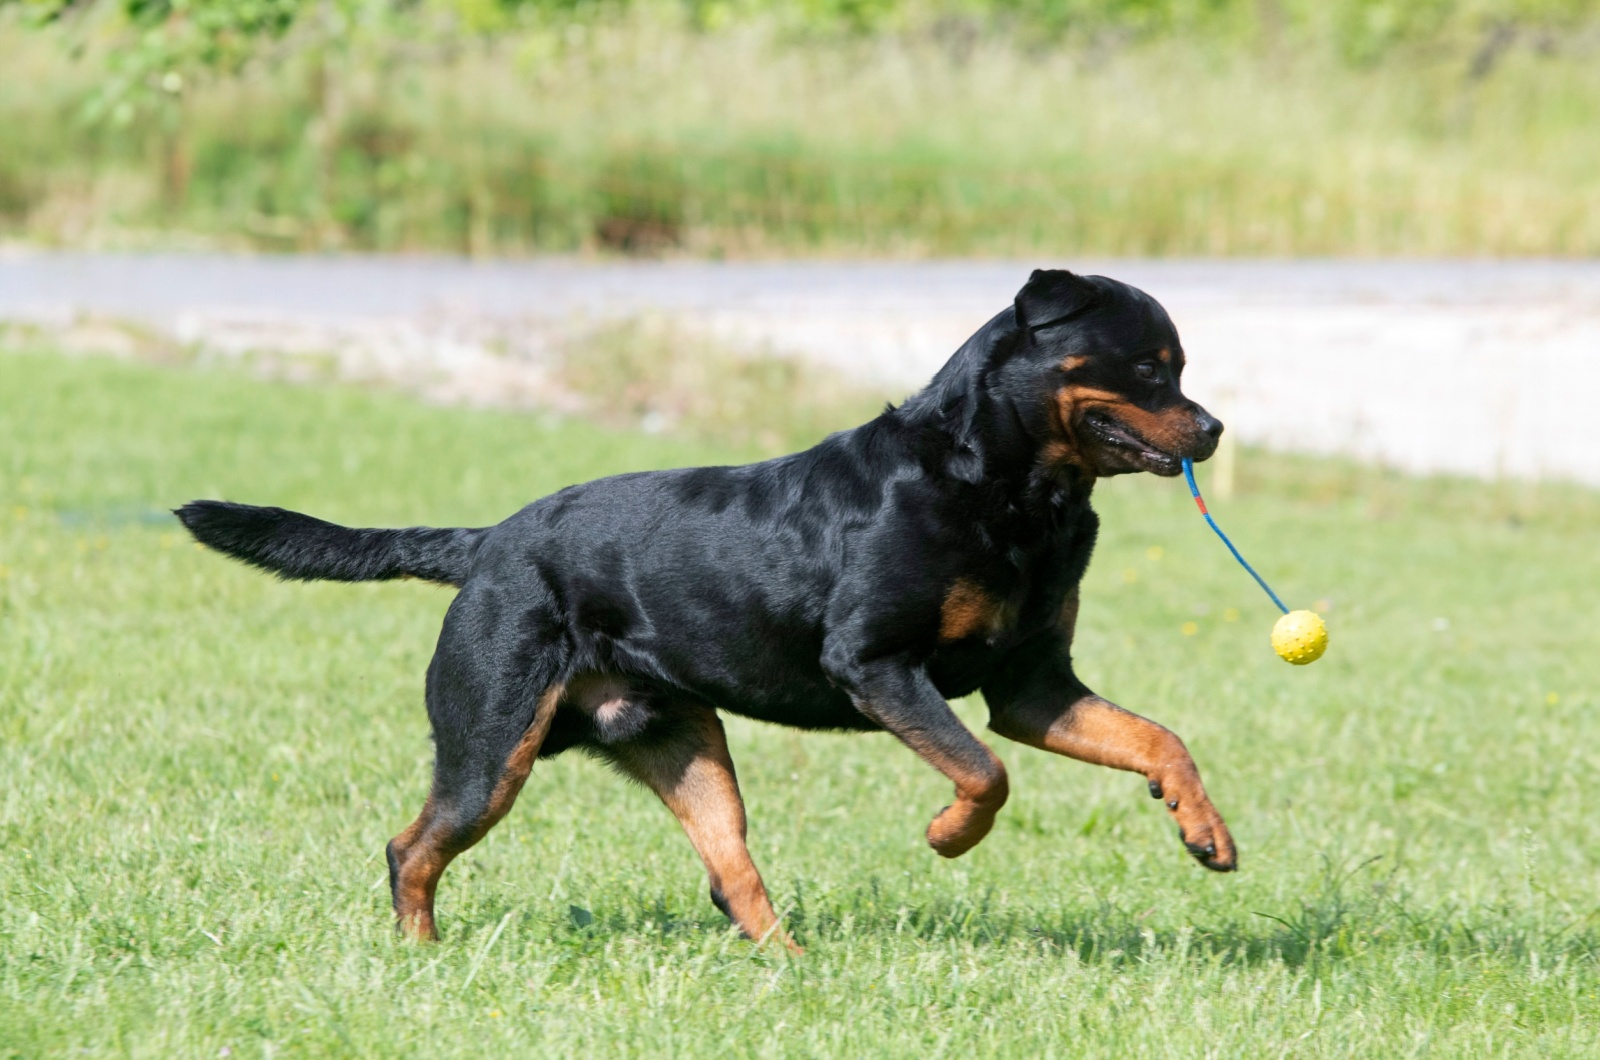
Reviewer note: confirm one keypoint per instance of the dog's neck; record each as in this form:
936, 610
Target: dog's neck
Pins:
981, 452
967, 432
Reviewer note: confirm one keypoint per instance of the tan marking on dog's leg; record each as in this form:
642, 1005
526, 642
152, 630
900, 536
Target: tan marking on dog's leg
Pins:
979, 796
982, 788
1095, 730
519, 763
693, 775
419, 855
414, 876
907, 704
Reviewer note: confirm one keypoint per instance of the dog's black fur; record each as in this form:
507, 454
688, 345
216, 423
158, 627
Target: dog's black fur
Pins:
930, 553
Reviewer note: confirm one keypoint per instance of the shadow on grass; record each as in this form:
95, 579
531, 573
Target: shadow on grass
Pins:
1351, 912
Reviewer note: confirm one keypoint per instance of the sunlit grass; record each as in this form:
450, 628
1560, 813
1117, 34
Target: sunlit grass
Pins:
199, 767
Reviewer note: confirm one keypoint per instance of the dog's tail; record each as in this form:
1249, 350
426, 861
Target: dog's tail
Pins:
299, 548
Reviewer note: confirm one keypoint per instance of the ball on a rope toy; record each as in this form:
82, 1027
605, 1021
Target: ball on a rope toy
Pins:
1300, 637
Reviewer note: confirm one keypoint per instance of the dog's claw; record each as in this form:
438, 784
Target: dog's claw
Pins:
1172, 804
1155, 789
1206, 854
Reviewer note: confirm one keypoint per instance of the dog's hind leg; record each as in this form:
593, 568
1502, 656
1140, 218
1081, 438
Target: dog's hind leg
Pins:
463, 805
491, 702
687, 764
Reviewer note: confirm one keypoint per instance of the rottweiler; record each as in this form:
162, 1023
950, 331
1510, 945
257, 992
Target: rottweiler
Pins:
930, 553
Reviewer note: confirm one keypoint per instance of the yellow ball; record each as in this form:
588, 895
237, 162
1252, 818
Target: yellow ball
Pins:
1300, 637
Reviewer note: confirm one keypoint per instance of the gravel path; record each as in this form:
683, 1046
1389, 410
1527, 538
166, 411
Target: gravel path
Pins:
1485, 368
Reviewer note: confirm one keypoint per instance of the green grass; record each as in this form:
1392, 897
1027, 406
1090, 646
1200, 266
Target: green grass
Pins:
199, 767
641, 134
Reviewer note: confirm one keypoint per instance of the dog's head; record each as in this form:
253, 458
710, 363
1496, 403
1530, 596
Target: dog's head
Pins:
1102, 362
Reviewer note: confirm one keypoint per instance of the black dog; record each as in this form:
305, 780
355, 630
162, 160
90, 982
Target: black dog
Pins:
932, 552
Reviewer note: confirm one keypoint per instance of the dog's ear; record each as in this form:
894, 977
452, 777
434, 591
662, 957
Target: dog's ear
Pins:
1053, 296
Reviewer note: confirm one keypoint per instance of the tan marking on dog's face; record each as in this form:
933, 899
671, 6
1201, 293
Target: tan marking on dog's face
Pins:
1077, 360
1170, 430
1065, 450
1061, 453
1165, 355
969, 610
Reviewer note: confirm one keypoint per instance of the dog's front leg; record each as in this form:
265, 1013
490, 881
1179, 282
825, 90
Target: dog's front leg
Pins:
903, 700
1091, 729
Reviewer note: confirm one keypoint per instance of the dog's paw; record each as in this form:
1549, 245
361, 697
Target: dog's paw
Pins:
958, 828
1211, 846
1200, 827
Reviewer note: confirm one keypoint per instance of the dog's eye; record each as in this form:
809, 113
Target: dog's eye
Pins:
1147, 371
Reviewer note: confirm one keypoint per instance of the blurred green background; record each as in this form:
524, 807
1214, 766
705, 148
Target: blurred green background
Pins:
776, 127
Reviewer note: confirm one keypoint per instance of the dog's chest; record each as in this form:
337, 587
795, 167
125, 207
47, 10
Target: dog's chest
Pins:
982, 619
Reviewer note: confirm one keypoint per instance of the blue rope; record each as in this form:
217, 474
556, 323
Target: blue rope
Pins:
1188, 473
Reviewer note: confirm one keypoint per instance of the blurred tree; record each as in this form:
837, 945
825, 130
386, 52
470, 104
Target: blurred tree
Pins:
161, 50
172, 36
185, 37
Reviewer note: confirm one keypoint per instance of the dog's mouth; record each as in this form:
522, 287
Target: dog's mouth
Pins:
1112, 432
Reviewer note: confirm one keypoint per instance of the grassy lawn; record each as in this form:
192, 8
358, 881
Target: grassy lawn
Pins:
199, 767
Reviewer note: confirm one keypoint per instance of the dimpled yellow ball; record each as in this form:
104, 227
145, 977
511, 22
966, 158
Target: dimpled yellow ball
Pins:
1300, 637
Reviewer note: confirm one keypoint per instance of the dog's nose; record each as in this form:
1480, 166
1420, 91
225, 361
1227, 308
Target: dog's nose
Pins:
1208, 424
